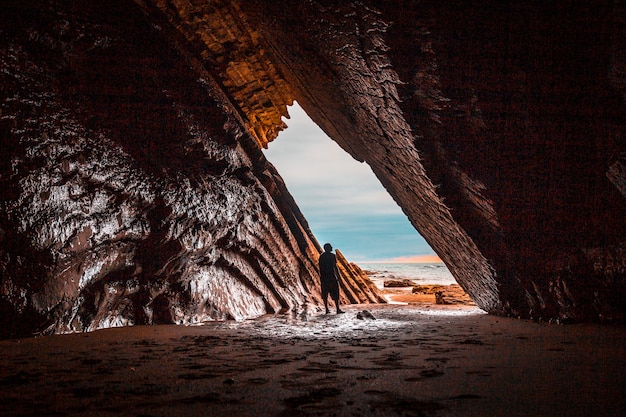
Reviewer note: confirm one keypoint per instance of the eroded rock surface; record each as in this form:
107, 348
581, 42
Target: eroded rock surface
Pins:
132, 162
132, 191
498, 127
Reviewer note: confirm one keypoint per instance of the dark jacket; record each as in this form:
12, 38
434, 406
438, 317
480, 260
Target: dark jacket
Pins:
328, 268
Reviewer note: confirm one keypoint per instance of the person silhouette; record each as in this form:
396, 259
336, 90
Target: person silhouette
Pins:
329, 276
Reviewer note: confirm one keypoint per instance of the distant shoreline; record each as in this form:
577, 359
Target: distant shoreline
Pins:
451, 294
398, 263
424, 283
420, 273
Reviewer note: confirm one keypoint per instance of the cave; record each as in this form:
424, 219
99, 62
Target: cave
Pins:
135, 192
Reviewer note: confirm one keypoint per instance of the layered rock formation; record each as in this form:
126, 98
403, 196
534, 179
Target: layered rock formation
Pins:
135, 191
132, 191
498, 127
494, 125
356, 287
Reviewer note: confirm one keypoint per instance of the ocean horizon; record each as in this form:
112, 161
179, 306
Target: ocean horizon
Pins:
420, 273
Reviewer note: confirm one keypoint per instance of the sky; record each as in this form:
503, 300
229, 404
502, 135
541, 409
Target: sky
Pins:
341, 198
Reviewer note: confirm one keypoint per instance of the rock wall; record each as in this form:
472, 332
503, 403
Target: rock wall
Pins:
132, 191
498, 127
355, 285
223, 41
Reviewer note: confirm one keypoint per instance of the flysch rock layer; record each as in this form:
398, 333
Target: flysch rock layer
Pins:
498, 127
132, 189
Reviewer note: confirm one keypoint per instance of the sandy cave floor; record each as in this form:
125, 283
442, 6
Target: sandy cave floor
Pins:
412, 360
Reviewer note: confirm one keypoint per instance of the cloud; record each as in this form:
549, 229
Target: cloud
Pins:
341, 198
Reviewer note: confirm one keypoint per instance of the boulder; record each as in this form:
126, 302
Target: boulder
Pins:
398, 283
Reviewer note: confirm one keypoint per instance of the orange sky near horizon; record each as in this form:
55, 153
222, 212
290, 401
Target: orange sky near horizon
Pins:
422, 259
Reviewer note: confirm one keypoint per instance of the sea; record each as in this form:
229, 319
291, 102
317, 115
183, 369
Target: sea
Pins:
420, 273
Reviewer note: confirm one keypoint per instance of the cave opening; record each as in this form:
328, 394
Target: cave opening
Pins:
132, 194
342, 199
345, 205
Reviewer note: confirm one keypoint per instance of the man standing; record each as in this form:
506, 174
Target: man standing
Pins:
329, 275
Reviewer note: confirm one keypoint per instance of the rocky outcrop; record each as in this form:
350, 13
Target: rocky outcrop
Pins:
398, 283
356, 287
226, 44
496, 126
132, 191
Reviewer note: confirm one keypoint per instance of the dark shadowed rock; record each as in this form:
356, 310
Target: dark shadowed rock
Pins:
498, 127
134, 189
365, 315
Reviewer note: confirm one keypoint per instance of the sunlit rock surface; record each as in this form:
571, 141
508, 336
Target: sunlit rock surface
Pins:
132, 191
356, 286
232, 50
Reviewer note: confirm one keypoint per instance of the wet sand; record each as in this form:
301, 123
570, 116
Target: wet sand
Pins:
423, 295
412, 360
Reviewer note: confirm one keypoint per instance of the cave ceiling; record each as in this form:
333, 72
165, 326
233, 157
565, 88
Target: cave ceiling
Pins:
237, 55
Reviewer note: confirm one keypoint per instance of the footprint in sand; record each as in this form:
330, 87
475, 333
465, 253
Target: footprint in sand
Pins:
314, 397
426, 373
401, 405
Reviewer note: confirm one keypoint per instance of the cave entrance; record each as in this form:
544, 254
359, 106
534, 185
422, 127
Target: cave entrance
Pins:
345, 204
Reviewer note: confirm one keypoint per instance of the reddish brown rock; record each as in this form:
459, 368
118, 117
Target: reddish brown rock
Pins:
356, 287
398, 283
132, 191
497, 127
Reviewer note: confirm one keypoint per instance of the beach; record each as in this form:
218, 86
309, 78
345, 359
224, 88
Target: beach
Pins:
426, 280
398, 360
